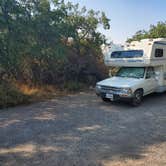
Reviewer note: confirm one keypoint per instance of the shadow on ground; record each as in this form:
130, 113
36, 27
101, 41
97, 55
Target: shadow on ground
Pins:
81, 130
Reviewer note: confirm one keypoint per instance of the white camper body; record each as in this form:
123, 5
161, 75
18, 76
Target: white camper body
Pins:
148, 46
147, 56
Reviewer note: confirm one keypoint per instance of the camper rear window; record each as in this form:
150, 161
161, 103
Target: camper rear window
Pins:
159, 53
127, 54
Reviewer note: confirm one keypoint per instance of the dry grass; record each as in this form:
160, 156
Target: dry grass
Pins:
25, 89
18, 93
39, 93
12, 94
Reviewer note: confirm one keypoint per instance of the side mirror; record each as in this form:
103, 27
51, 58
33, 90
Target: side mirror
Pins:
148, 76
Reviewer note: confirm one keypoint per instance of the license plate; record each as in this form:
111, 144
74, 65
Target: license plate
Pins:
110, 96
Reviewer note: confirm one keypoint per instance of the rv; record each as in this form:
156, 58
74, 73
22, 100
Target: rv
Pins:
142, 70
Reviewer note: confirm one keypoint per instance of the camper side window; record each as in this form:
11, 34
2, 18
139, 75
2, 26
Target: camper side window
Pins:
159, 52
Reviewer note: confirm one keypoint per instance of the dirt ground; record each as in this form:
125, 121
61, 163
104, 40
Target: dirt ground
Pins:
81, 130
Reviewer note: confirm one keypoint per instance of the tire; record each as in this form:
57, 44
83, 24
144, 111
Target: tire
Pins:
137, 99
105, 99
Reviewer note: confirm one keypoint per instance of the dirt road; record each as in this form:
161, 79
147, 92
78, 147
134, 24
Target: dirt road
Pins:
81, 130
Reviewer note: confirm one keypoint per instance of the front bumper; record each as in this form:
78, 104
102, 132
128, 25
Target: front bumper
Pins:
116, 95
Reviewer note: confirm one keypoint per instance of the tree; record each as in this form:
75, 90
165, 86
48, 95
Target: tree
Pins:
14, 34
84, 24
155, 31
34, 39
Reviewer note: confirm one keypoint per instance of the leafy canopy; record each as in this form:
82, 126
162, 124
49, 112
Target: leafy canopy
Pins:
155, 31
34, 37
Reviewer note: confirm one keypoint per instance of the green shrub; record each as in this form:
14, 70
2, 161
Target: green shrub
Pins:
73, 86
11, 96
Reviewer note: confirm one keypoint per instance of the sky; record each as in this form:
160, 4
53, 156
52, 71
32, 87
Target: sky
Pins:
127, 16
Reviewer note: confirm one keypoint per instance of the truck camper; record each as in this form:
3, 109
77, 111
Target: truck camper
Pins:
142, 70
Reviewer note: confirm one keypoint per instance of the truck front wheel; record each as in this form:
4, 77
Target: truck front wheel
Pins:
105, 99
137, 99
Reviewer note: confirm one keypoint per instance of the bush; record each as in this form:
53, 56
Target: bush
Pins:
10, 95
73, 86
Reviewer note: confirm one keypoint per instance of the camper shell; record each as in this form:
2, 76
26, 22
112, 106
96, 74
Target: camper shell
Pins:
148, 55
147, 52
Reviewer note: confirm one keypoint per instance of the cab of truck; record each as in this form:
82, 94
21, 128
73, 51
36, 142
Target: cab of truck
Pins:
129, 83
141, 72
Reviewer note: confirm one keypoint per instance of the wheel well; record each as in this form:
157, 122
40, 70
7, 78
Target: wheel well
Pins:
140, 89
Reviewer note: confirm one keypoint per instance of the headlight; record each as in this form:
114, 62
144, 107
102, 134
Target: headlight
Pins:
98, 86
127, 90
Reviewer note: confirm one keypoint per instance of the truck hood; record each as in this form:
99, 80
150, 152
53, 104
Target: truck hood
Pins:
120, 82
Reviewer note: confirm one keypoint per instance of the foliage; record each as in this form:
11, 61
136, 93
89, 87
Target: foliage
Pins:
73, 86
155, 31
10, 95
50, 42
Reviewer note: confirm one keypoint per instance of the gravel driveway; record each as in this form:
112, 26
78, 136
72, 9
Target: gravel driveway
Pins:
81, 130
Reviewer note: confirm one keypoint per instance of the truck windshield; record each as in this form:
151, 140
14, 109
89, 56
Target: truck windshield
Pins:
127, 54
131, 72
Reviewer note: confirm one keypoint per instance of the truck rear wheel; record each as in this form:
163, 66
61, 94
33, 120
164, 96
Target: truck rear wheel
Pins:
137, 99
